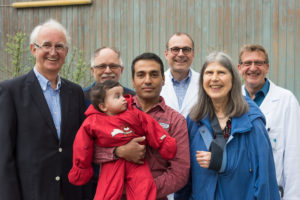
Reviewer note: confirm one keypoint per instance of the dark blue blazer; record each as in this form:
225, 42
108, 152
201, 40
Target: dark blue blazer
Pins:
34, 163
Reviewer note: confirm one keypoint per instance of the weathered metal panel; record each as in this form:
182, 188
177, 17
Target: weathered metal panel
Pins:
136, 26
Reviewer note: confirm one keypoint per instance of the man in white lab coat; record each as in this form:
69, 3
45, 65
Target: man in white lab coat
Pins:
282, 113
181, 82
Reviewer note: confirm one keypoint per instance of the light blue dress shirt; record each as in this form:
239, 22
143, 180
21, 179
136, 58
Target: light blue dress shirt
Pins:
181, 87
52, 97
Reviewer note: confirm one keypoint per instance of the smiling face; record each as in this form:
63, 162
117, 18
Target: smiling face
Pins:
49, 62
217, 82
253, 74
104, 58
114, 102
180, 62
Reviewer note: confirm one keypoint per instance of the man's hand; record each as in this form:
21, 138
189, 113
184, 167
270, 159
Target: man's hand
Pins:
203, 158
132, 151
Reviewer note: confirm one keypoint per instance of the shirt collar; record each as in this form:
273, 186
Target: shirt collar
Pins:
264, 90
186, 80
160, 105
44, 82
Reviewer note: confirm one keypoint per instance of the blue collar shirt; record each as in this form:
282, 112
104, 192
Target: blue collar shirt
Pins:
261, 94
181, 87
52, 97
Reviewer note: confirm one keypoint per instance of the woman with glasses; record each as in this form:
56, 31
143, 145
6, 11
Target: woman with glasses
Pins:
231, 155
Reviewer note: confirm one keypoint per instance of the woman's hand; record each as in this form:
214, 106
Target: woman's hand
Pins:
203, 158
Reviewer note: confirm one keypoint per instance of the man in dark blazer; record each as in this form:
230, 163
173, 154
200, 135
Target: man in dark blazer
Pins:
40, 113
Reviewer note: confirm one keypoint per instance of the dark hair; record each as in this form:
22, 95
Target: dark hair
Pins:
252, 48
147, 56
179, 34
236, 106
98, 92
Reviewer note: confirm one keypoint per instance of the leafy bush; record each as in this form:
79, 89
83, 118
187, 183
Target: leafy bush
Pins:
75, 68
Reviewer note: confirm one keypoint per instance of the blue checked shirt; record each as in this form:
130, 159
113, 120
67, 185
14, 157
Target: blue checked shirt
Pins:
52, 97
181, 87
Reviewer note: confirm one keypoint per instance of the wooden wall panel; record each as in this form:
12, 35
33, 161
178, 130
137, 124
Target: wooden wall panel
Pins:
136, 26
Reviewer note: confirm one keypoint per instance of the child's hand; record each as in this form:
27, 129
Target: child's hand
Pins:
133, 151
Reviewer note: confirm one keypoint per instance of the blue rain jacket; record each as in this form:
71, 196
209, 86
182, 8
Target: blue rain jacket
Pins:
247, 170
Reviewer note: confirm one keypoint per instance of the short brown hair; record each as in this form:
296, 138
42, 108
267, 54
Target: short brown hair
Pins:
252, 48
179, 34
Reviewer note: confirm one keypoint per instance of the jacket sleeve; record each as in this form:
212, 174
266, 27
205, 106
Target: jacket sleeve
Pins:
185, 192
157, 137
103, 154
176, 175
10, 186
82, 169
291, 160
265, 175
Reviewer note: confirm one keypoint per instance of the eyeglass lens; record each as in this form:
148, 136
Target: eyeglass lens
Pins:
185, 50
256, 63
111, 66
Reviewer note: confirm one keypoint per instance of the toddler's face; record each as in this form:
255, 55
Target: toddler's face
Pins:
114, 101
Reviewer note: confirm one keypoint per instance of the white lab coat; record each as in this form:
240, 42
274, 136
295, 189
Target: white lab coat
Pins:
282, 113
191, 96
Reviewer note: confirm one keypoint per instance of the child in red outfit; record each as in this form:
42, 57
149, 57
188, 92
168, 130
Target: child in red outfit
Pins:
112, 121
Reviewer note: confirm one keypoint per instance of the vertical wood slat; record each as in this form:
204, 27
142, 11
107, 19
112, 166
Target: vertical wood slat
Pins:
136, 26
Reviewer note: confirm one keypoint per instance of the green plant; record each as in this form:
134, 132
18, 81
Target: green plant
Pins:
75, 68
15, 49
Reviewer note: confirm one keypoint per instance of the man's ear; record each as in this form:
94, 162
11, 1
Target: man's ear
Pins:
32, 49
166, 53
102, 107
239, 67
163, 80
132, 82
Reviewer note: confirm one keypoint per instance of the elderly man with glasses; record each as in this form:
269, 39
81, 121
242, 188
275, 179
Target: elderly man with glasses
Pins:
181, 81
106, 64
282, 113
39, 118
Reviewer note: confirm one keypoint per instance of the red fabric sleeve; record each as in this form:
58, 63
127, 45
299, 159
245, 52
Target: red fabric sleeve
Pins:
82, 170
157, 137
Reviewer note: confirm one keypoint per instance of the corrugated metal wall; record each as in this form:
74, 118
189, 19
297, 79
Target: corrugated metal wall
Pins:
136, 26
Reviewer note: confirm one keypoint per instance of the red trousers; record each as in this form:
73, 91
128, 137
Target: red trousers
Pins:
138, 181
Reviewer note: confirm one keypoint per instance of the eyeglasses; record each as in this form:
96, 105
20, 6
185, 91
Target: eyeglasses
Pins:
46, 47
111, 66
258, 63
185, 50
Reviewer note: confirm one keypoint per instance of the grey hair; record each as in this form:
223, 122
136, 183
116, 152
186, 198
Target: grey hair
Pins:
51, 23
97, 51
237, 105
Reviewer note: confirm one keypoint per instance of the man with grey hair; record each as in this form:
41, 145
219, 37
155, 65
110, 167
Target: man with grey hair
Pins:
40, 115
106, 64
